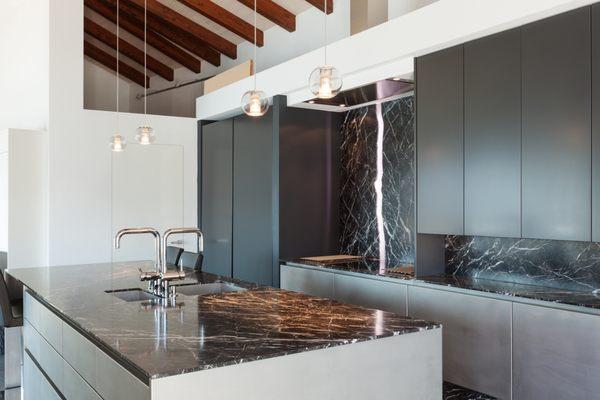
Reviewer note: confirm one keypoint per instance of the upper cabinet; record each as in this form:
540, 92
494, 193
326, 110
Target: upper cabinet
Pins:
557, 127
504, 133
493, 135
440, 142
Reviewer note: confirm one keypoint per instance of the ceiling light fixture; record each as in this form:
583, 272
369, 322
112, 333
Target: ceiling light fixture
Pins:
145, 134
325, 81
255, 102
117, 142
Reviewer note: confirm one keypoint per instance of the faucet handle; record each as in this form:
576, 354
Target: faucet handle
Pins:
173, 275
148, 275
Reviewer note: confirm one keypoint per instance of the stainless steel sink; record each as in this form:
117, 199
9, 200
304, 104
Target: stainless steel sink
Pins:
205, 289
132, 295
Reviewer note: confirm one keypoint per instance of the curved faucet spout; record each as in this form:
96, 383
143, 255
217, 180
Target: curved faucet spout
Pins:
175, 231
141, 231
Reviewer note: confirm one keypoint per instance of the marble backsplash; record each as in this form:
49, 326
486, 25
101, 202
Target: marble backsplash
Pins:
359, 132
560, 264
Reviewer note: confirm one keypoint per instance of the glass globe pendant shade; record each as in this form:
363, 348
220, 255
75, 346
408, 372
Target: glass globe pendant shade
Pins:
145, 135
117, 143
255, 103
325, 82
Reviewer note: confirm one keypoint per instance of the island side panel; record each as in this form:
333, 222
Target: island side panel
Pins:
403, 367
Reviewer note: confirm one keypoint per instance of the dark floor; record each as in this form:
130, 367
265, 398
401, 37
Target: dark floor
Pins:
455, 392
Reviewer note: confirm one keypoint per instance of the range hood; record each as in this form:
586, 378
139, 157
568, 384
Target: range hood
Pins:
377, 92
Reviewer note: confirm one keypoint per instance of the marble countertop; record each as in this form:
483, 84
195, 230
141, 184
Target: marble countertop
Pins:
201, 332
576, 298
362, 266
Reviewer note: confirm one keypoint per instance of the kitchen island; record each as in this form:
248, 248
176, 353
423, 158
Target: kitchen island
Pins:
91, 333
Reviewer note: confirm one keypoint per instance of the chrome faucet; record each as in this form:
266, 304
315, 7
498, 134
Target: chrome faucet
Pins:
159, 280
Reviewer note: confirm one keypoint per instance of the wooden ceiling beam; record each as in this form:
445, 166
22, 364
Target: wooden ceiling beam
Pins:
111, 62
163, 13
127, 49
274, 13
169, 31
226, 19
155, 40
320, 4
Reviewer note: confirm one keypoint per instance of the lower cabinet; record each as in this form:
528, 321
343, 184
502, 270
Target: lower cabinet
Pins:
476, 337
35, 384
308, 281
370, 293
556, 354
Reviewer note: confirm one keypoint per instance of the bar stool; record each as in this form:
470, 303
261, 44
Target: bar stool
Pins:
191, 260
11, 306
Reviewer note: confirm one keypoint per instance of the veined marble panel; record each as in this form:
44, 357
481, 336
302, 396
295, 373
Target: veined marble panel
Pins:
553, 263
359, 235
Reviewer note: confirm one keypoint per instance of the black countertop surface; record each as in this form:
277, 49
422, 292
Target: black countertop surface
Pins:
586, 299
201, 332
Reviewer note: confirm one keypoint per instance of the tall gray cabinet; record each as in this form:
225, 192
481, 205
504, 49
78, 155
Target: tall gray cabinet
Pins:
504, 133
250, 219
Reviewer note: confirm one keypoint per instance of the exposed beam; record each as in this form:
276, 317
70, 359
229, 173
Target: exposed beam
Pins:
320, 4
158, 42
226, 19
127, 49
171, 32
168, 15
111, 62
273, 12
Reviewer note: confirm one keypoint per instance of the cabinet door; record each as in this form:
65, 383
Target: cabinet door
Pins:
254, 224
556, 354
370, 293
217, 191
308, 281
440, 142
596, 124
556, 127
476, 337
493, 135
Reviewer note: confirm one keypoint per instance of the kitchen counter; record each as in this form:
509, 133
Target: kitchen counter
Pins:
202, 332
583, 299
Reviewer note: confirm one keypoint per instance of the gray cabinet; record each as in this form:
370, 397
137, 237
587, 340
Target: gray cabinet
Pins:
217, 190
370, 293
596, 124
556, 127
254, 216
493, 135
308, 281
556, 354
476, 337
440, 142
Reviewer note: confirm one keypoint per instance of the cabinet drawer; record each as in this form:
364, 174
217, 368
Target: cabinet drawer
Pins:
48, 324
309, 281
48, 359
370, 293
80, 353
35, 384
114, 382
75, 387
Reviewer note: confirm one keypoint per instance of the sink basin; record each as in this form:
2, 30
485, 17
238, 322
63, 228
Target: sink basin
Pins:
208, 288
131, 295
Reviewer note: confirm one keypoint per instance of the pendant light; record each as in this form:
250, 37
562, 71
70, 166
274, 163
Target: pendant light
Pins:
145, 134
255, 102
117, 142
325, 81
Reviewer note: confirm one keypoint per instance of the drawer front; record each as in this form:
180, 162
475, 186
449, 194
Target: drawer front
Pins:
49, 360
114, 382
36, 386
476, 336
80, 353
48, 324
370, 293
75, 387
308, 281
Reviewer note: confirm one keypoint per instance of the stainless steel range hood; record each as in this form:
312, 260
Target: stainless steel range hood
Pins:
377, 92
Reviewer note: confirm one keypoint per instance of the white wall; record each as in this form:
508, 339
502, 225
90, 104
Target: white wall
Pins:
79, 156
3, 190
397, 8
100, 89
24, 64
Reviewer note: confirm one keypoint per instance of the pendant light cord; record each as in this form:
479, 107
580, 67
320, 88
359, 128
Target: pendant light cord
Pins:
118, 67
325, 7
145, 62
254, 60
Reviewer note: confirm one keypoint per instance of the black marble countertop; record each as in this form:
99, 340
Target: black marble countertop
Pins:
362, 266
201, 332
586, 299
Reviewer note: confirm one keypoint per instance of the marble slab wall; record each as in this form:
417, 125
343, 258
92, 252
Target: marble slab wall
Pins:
560, 264
359, 234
